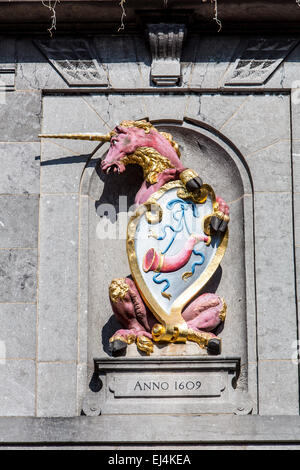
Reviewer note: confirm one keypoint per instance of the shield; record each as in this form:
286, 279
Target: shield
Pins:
171, 249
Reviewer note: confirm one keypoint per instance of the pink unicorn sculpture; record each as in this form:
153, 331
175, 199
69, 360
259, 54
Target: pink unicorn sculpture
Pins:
139, 142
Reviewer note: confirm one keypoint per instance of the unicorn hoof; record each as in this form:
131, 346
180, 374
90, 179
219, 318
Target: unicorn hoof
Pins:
214, 346
194, 184
117, 347
215, 223
223, 226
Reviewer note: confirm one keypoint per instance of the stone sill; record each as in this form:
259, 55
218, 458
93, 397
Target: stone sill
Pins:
139, 429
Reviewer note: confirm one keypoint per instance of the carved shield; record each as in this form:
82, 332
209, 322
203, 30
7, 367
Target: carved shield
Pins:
171, 249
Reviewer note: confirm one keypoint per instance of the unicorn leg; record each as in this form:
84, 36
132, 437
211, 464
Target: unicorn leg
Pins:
131, 312
203, 316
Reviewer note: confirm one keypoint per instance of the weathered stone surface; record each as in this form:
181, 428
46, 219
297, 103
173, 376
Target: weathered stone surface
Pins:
112, 109
214, 109
296, 165
19, 221
72, 114
61, 167
295, 109
18, 275
290, 69
7, 53
20, 117
211, 60
18, 330
297, 266
56, 395
276, 314
33, 71
131, 430
58, 278
260, 122
20, 168
121, 59
271, 167
278, 387
297, 217
165, 107
17, 388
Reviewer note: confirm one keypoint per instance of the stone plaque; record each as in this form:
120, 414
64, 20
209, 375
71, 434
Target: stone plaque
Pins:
183, 384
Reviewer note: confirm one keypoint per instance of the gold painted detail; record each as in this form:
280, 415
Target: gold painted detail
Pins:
199, 196
144, 344
216, 213
92, 137
154, 212
170, 333
187, 175
166, 295
200, 338
129, 339
118, 289
152, 162
222, 314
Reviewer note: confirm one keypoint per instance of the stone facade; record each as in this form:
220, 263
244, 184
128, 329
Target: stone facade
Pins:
239, 128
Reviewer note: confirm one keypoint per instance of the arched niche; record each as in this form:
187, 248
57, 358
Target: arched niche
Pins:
221, 165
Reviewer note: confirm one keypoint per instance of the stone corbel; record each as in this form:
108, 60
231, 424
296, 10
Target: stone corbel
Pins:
166, 46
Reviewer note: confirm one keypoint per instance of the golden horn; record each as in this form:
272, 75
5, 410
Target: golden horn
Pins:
95, 136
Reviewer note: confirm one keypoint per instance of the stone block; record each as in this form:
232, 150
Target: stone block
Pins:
290, 69
20, 168
296, 165
72, 114
18, 331
295, 110
7, 52
56, 395
276, 313
61, 167
119, 57
34, 72
297, 218
112, 109
20, 116
58, 278
262, 121
271, 167
214, 109
84, 275
278, 387
211, 60
165, 107
19, 221
18, 275
17, 388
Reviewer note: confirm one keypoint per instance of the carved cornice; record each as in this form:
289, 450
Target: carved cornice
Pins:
166, 46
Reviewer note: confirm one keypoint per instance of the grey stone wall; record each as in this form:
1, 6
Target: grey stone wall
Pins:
44, 238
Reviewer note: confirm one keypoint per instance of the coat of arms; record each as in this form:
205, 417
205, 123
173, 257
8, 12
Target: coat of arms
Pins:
175, 241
